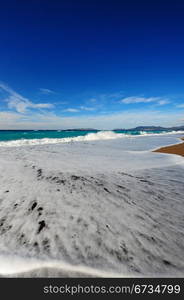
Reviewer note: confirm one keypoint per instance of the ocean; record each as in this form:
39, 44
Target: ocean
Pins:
13, 135
55, 136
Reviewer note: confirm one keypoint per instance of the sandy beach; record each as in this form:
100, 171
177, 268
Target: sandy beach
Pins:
174, 149
96, 208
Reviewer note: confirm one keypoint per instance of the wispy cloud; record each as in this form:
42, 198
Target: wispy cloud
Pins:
19, 103
86, 108
79, 109
163, 102
135, 99
92, 100
102, 99
180, 105
72, 110
21, 115
125, 119
46, 91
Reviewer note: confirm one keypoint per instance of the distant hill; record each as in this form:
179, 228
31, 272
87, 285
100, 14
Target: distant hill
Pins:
149, 128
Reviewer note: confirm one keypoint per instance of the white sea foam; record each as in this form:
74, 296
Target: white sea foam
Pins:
161, 133
11, 265
107, 206
101, 135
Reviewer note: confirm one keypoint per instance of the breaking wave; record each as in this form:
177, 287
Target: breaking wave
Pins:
101, 135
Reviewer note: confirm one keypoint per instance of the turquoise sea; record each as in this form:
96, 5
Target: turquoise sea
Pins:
13, 135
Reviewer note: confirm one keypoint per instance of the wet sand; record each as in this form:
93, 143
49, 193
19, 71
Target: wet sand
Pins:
174, 149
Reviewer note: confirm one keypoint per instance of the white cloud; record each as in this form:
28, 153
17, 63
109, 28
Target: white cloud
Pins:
180, 105
134, 99
8, 117
125, 119
40, 119
163, 102
46, 91
20, 103
79, 109
74, 110
86, 108
92, 100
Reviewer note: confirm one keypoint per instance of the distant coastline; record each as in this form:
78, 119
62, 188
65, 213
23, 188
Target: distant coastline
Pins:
149, 128
138, 128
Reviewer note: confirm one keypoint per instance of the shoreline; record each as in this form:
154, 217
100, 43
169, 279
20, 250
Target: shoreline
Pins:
177, 149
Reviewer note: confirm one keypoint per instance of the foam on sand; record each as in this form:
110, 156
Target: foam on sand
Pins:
15, 266
102, 208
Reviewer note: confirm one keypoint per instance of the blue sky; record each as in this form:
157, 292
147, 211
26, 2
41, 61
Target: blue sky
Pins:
100, 64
